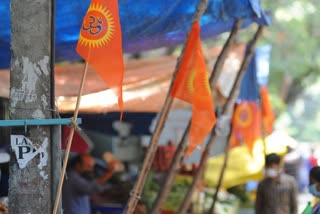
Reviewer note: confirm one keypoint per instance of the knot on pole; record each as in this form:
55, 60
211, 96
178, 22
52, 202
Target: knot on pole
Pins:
74, 124
135, 195
223, 125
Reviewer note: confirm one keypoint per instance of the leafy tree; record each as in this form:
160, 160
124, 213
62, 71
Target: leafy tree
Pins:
295, 65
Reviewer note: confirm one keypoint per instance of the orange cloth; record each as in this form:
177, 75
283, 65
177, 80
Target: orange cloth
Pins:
246, 124
191, 85
100, 43
267, 113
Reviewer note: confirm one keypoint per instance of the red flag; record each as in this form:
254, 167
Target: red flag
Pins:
80, 144
267, 113
191, 85
100, 43
246, 124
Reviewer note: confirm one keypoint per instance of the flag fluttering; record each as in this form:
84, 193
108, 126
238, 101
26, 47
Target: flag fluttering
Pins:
191, 85
267, 113
100, 43
246, 124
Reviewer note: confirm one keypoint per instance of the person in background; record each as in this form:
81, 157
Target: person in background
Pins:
314, 188
277, 192
80, 184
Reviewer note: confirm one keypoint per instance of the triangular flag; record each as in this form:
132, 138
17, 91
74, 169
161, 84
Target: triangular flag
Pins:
100, 43
191, 85
267, 113
246, 123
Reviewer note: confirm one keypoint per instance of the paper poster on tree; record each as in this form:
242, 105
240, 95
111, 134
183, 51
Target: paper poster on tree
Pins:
25, 151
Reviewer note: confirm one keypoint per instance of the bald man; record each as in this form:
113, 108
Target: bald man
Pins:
80, 184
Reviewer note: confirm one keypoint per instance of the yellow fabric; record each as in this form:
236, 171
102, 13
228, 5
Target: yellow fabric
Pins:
315, 201
242, 166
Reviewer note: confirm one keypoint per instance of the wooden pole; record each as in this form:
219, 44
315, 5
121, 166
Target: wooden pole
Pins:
172, 172
263, 135
67, 153
217, 69
179, 154
229, 105
136, 192
223, 168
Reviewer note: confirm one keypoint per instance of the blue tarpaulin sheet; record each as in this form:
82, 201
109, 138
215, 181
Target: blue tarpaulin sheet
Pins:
256, 75
145, 24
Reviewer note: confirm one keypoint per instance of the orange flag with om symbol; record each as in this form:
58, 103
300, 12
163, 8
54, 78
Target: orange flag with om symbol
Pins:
191, 85
100, 43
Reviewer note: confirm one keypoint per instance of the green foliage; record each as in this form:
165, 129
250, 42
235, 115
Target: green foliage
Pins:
302, 119
240, 192
175, 196
295, 62
294, 65
294, 35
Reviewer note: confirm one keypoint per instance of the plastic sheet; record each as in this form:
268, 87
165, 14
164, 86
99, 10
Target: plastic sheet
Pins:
145, 24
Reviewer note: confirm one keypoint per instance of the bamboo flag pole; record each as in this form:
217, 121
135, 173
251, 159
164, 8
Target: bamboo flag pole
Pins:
67, 153
171, 174
228, 107
216, 72
263, 132
181, 150
263, 128
224, 166
136, 192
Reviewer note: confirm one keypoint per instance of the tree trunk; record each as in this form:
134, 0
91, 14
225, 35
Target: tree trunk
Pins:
31, 97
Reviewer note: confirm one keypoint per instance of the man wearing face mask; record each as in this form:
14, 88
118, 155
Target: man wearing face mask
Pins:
80, 184
277, 192
314, 188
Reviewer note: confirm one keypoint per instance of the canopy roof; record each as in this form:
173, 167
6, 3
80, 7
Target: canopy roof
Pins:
145, 24
146, 82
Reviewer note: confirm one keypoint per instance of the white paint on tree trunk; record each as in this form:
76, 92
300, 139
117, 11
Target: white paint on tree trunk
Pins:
30, 76
44, 65
44, 159
44, 175
44, 101
38, 114
43, 154
25, 151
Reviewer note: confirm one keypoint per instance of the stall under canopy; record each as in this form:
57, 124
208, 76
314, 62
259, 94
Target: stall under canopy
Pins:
146, 82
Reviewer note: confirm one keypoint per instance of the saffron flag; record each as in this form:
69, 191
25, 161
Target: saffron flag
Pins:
100, 43
267, 113
191, 85
246, 124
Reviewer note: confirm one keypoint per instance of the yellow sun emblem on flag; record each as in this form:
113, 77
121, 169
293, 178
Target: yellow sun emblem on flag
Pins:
97, 27
203, 88
191, 78
244, 115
